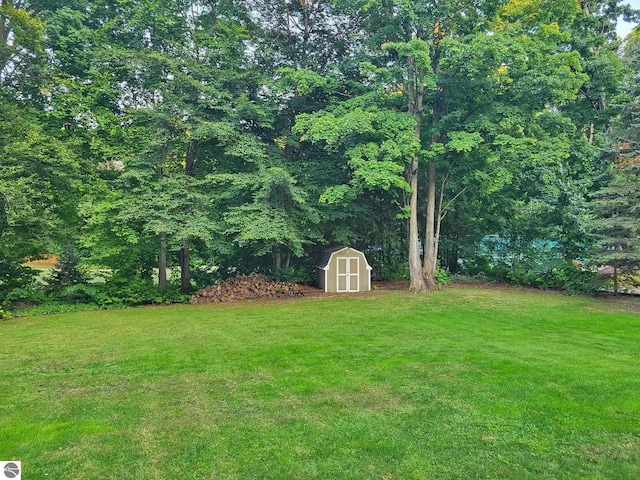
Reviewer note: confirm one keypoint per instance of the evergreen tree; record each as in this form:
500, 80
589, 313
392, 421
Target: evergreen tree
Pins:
66, 273
616, 210
616, 204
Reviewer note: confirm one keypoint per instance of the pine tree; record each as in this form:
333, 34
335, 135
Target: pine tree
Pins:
616, 208
66, 272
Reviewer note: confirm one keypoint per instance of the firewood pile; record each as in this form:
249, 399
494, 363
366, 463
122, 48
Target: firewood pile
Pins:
246, 287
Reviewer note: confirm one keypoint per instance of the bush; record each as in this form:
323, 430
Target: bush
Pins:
294, 274
478, 265
65, 273
79, 293
17, 282
553, 273
538, 264
442, 276
51, 308
479, 279
120, 291
388, 266
203, 276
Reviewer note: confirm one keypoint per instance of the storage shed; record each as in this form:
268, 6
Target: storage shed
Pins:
343, 269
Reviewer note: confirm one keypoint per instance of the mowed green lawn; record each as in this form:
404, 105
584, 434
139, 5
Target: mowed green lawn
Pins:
463, 383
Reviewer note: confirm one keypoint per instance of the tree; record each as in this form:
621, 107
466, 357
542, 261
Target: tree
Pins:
39, 189
172, 93
615, 206
616, 209
21, 31
277, 220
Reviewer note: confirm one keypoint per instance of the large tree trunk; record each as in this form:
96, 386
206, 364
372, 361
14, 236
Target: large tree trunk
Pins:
416, 95
432, 231
162, 262
418, 283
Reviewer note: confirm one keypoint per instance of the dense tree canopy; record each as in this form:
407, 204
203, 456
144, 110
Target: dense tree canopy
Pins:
174, 142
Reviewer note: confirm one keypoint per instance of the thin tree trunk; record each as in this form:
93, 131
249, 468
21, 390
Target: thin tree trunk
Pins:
162, 251
287, 258
185, 271
277, 258
430, 249
162, 262
615, 280
4, 38
185, 254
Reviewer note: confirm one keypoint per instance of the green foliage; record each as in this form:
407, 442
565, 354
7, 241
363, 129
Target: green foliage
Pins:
387, 265
56, 307
16, 281
616, 209
477, 279
20, 41
442, 276
376, 143
303, 273
305, 81
79, 293
30, 293
38, 190
416, 51
245, 135
278, 216
118, 290
463, 141
535, 264
65, 273
203, 275
545, 270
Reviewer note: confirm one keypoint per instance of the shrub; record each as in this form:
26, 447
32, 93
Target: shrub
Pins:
51, 308
442, 276
294, 274
79, 293
388, 266
479, 279
65, 273
120, 291
554, 273
17, 282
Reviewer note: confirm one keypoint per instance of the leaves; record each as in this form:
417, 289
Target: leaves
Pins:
278, 216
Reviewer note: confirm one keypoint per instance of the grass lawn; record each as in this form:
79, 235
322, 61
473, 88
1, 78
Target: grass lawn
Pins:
459, 384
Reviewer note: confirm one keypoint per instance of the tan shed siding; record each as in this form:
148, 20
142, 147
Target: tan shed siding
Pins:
332, 281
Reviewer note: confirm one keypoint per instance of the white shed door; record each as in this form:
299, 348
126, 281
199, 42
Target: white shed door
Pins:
348, 274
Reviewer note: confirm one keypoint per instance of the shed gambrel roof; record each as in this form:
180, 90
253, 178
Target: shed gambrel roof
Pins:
325, 258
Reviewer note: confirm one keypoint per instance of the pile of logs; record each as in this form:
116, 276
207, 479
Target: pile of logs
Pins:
246, 287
